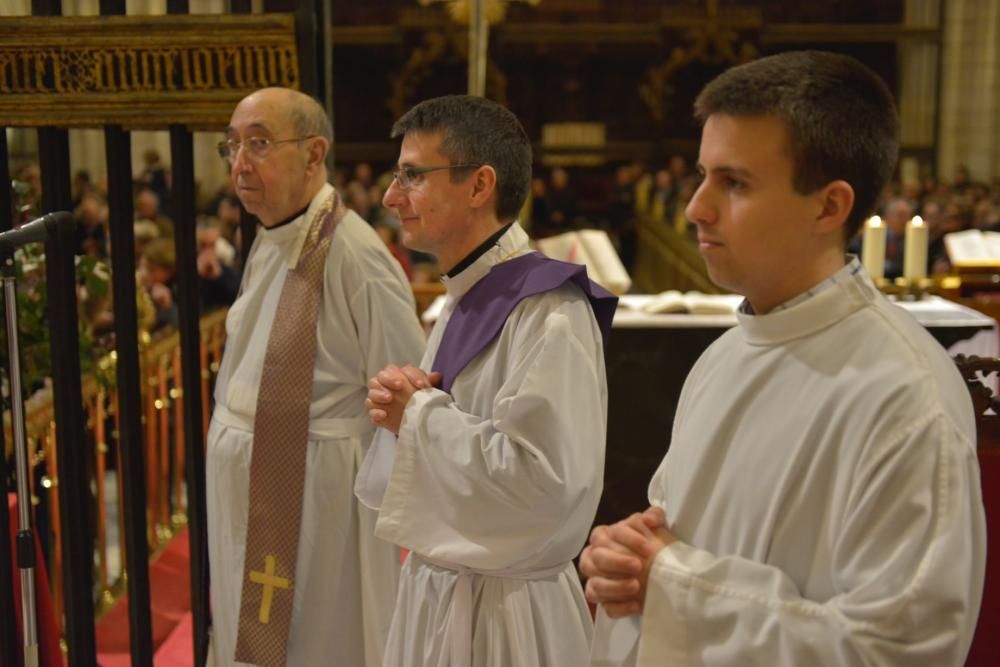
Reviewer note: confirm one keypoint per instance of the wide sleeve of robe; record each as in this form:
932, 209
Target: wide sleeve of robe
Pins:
507, 472
376, 322
904, 565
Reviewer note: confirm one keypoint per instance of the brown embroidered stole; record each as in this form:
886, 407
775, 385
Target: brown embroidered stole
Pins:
277, 463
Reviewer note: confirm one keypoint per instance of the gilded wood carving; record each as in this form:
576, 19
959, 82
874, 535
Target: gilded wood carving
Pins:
974, 370
140, 72
712, 39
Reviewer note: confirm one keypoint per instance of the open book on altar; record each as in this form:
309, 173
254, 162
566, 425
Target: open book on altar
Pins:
593, 249
672, 301
973, 247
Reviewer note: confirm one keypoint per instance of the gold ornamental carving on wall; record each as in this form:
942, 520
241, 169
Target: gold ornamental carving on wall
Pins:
140, 72
713, 37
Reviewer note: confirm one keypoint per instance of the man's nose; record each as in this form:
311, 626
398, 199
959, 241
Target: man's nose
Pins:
699, 209
240, 160
393, 195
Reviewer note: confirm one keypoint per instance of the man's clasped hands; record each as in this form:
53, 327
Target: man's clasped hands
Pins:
619, 556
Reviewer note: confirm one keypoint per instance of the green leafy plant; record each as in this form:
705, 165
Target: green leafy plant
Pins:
93, 287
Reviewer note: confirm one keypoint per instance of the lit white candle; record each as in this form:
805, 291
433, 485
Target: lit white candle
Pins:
915, 250
873, 247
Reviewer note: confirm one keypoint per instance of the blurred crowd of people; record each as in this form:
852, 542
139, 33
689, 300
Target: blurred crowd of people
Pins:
217, 261
945, 207
564, 199
561, 200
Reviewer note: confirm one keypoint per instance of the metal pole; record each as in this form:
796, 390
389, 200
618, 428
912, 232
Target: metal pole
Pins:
325, 44
8, 622
479, 34
25, 537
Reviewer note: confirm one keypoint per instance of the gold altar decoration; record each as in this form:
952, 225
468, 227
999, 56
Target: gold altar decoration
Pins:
461, 11
573, 144
140, 72
479, 15
435, 48
711, 39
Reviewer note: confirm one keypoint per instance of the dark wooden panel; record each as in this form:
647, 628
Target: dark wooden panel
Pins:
646, 369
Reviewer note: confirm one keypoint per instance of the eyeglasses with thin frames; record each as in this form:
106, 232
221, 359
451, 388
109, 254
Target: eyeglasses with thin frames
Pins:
407, 177
257, 148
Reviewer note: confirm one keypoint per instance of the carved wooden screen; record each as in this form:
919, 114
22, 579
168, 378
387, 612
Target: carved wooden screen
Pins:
140, 72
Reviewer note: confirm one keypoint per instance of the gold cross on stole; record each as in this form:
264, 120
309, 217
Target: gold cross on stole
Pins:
269, 581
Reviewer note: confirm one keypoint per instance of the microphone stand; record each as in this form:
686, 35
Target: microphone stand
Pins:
25, 536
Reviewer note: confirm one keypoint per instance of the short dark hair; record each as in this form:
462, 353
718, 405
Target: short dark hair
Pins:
840, 115
478, 131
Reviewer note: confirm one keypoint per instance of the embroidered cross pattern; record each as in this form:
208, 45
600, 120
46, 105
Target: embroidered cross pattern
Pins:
269, 581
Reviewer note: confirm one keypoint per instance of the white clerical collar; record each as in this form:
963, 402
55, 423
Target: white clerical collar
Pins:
843, 293
290, 237
851, 267
513, 243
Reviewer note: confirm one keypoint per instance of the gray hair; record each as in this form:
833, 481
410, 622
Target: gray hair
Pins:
308, 116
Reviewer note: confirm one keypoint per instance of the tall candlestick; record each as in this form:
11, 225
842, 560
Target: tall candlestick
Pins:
873, 248
915, 250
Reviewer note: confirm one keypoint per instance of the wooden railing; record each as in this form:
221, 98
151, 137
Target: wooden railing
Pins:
163, 422
424, 294
668, 260
163, 437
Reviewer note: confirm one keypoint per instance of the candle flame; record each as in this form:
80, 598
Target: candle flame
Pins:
917, 221
874, 221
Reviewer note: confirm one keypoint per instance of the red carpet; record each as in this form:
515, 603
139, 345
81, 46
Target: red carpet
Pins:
46, 630
170, 593
169, 583
178, 649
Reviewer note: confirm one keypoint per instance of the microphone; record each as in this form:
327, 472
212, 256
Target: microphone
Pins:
38, 229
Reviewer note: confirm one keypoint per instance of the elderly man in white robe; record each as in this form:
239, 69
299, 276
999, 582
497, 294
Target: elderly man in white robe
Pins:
820, 501
494, 479
298, 576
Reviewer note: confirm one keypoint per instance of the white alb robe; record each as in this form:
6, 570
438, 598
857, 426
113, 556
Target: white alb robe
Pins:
494, 487
823, 484
346, 579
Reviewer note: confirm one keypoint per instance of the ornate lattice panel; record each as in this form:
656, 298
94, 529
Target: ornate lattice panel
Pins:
140, 72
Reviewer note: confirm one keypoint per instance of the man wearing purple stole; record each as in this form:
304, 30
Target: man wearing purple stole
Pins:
489, 461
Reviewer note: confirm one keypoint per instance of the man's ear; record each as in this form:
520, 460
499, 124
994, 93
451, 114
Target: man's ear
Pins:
484, 185
316, 152
836, 200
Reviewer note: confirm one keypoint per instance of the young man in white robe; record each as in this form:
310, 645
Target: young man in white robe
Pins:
345, 579
820, 501
494, 478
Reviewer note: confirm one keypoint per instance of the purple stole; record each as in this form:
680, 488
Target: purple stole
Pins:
481, 313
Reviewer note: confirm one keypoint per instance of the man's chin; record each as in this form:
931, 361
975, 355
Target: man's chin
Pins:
720, 278
251, 206
408, 241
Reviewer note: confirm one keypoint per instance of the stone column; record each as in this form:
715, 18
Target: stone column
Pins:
918, 88
970, 96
